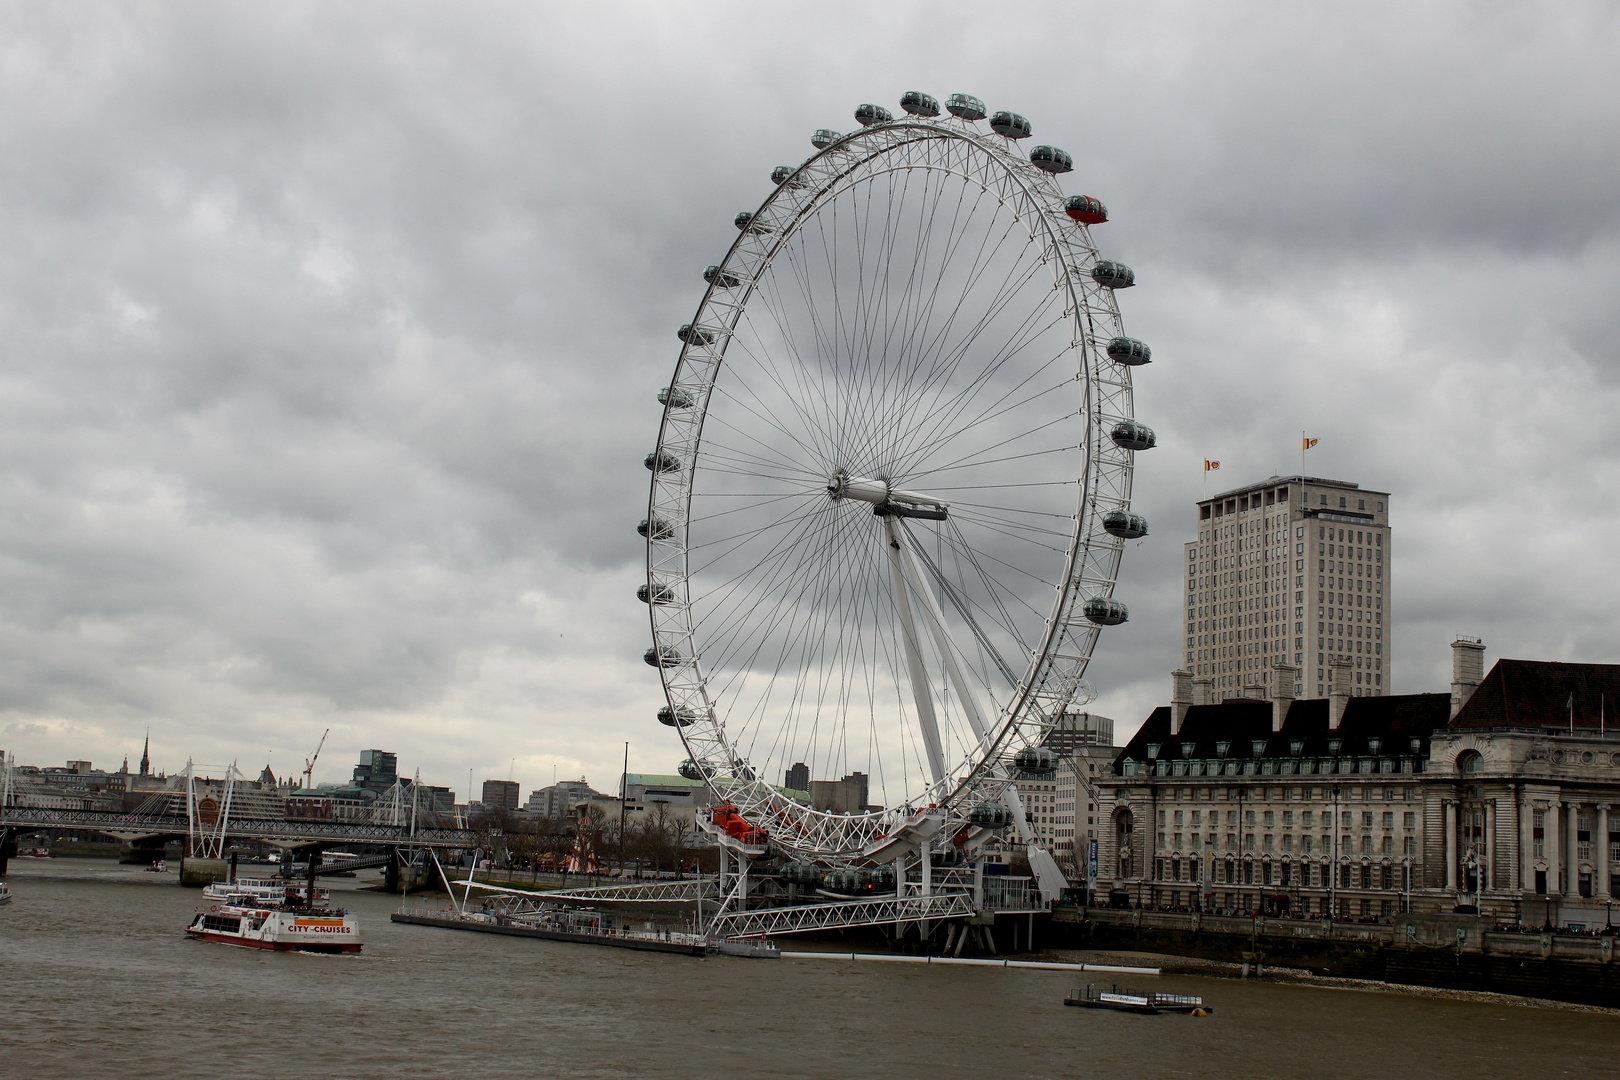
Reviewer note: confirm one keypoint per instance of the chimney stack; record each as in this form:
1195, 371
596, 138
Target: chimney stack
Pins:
1282, 696
1255, 691
1338, 690
1203, 691
1467, 670
1180, 698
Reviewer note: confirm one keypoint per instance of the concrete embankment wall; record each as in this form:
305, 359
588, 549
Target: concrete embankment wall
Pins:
1448, 951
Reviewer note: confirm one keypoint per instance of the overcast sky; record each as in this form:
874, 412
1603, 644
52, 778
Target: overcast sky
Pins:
330, 333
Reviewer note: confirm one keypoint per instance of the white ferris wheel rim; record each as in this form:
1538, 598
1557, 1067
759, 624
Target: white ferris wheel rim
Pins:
1053, 677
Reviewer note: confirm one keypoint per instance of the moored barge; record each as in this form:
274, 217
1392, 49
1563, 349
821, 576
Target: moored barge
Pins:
583, 928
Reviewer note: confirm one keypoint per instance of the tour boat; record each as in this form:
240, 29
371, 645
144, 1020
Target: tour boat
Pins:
5, 894
262, 890
284, 929
159, 867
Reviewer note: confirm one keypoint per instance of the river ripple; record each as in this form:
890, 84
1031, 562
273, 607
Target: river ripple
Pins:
99, 979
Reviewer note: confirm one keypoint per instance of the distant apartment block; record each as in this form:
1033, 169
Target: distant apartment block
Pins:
501, 793
559, 800
1283, 577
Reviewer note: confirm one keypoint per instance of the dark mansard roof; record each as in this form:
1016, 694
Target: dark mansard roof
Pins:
1538, 694
1393, 720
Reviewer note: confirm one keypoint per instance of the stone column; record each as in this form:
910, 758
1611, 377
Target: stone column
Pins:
1527, 842
1572, 875
1602, 852
1555, 854
1488, 871
1451, 847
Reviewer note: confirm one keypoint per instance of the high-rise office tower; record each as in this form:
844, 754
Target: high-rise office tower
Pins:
1284, 576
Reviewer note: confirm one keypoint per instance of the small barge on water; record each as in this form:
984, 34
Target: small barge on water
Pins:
1150, 1004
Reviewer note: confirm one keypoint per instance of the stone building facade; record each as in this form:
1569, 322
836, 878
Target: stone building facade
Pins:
1364, 807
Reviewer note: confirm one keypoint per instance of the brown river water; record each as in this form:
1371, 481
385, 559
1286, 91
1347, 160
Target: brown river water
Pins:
97, 979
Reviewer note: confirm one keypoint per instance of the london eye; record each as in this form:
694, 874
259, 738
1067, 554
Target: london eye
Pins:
892, 484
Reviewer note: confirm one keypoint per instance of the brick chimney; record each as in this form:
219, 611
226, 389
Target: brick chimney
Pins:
1467, 670
1282, 695
1338, 690
1203, 691
1181, 697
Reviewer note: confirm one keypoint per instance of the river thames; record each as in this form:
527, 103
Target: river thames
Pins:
100, 979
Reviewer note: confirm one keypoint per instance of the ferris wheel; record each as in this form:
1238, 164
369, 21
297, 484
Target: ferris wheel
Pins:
892, 486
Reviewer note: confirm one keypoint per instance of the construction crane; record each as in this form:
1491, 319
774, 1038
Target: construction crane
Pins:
309, 763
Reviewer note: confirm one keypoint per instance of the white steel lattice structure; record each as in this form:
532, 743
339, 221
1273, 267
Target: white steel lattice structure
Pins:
879, 911
892, 482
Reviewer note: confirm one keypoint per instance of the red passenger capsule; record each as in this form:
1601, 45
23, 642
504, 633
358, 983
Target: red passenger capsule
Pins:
1086, 210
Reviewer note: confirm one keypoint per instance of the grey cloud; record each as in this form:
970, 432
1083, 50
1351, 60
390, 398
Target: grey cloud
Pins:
331, 334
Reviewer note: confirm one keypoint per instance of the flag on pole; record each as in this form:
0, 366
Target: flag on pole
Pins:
1209, 465
1310, 443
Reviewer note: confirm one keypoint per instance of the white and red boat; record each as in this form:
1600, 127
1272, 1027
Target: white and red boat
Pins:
285, 929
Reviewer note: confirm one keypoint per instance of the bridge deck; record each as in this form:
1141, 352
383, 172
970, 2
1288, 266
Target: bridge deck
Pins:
23, 817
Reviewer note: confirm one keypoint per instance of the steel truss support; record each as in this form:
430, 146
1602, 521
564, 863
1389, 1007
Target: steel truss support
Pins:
1046, 870
886, 911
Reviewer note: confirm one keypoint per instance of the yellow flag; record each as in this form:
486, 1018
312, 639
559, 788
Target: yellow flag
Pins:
1208, 465
1310, 443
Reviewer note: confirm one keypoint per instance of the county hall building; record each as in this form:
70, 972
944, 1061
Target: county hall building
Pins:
1249, 793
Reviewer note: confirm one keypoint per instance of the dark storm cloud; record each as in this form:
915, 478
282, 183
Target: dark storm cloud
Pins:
331, 333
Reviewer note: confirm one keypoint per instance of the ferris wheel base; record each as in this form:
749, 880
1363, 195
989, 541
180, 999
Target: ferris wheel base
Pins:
908, 838
1047, 874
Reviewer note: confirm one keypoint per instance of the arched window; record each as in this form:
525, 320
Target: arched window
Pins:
1470, 761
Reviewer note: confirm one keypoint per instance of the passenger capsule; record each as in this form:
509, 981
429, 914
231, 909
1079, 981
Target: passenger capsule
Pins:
746, 222
665, 658
882, 877
1051, 159
662, 461
1113, 275
1010, 125
655, 529
724, 279
783, 174
847, 882
1035, 759
1133, 435
800, 873
990, 815
1106, 612
691, 770
867, 115
1129, 351
1086, 210
1125, 525
918, 103
675, 398
670, 718
823, 138
655, 594
965, 106
694, 335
